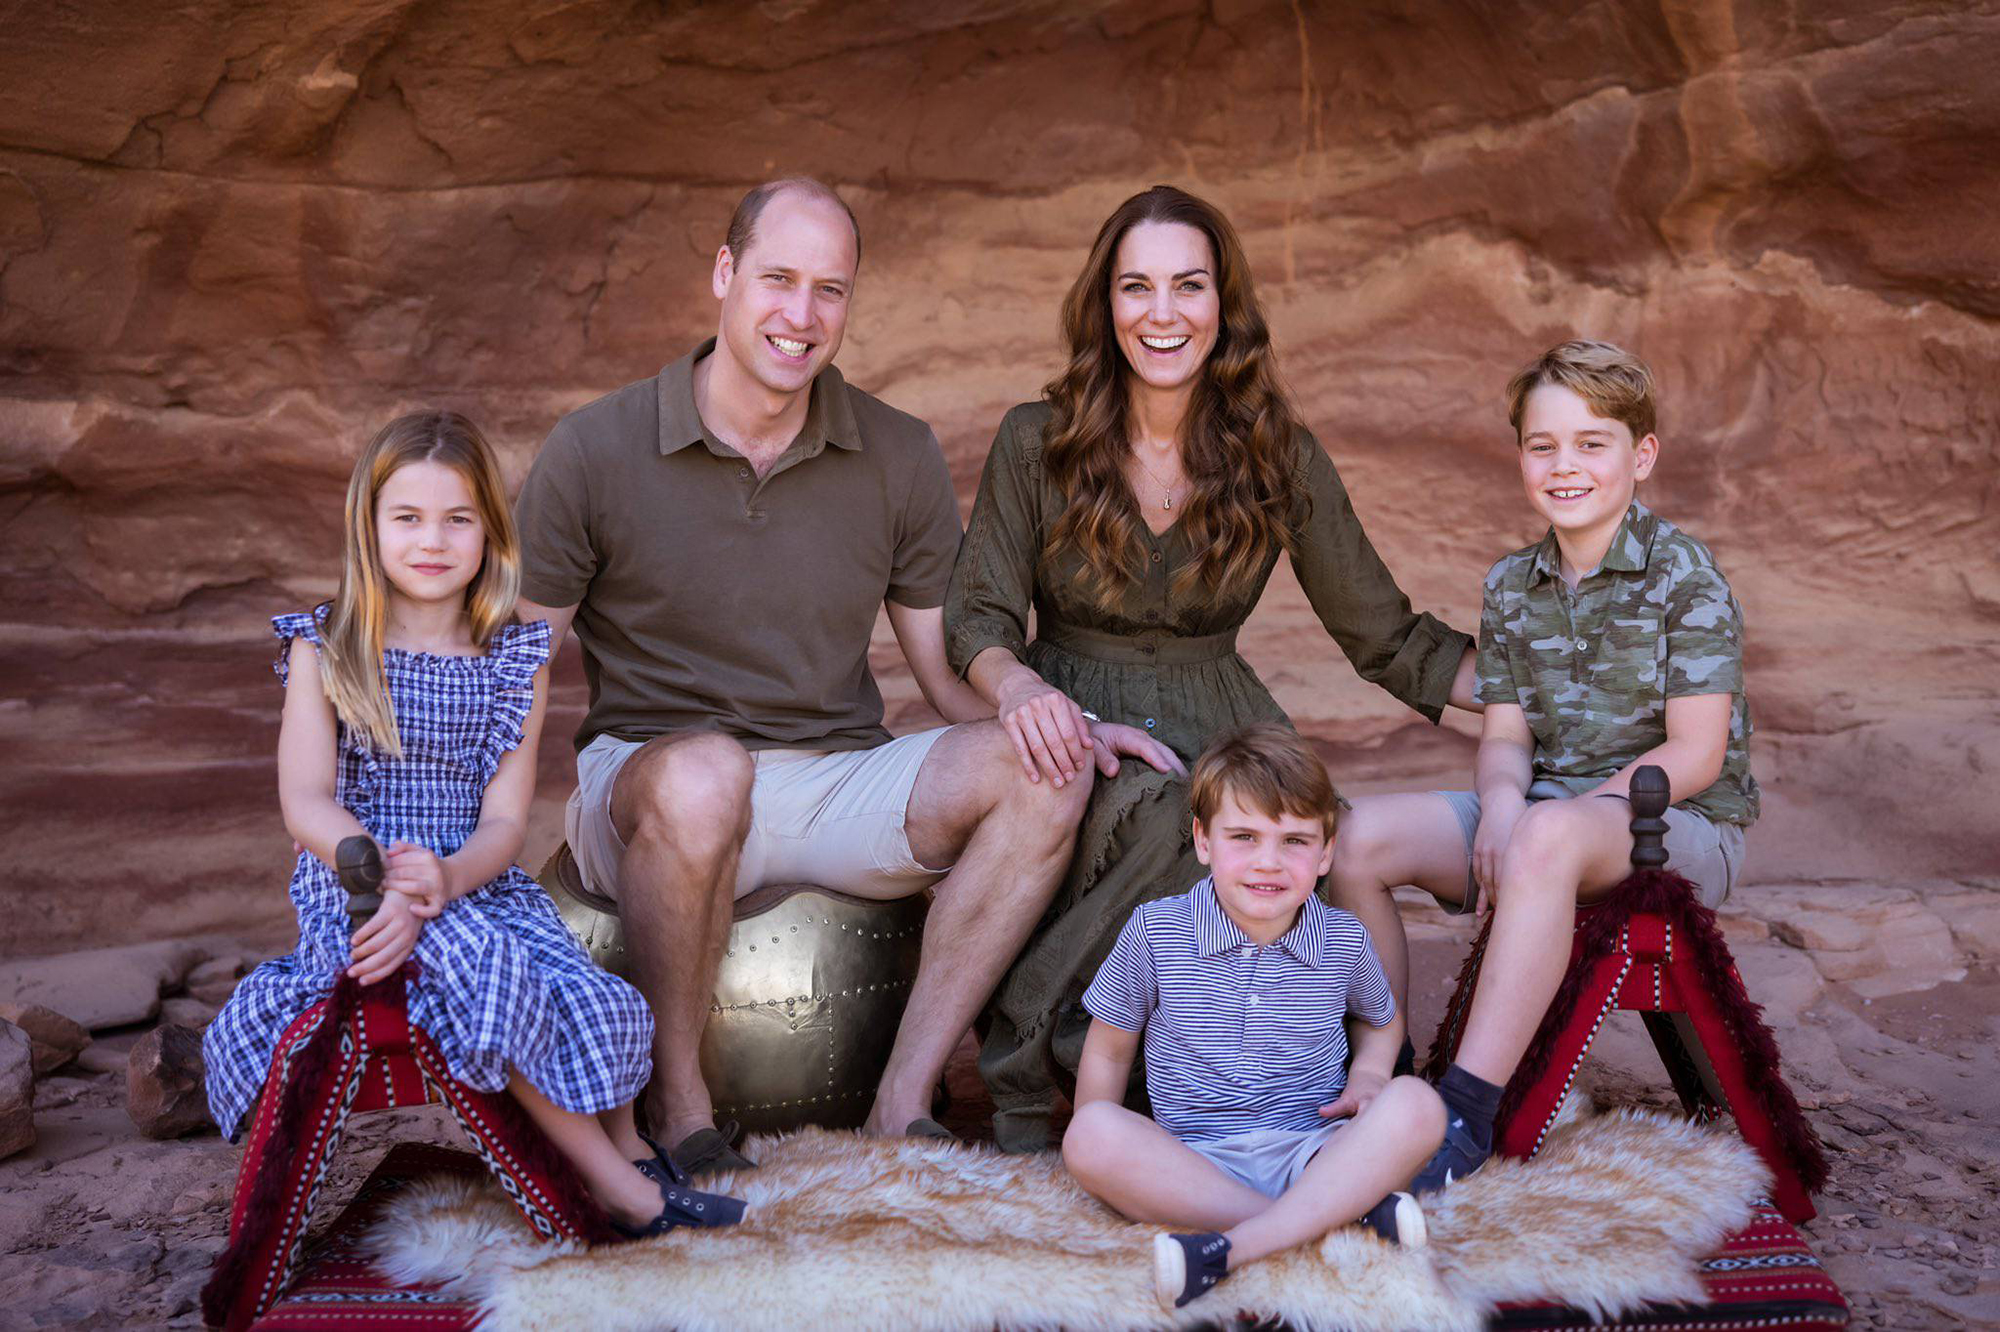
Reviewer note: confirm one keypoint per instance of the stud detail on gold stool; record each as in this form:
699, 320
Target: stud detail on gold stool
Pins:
811, 988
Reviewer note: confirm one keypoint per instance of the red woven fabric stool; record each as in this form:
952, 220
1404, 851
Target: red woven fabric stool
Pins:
349, 1054
1651, 947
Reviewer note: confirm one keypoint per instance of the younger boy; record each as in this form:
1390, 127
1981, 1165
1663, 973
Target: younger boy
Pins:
1261, 1139
1612, 642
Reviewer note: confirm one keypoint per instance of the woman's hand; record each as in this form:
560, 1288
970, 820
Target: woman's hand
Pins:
1498, 816
390, 935
417, 874
1362, 1087
1110, 739
1046, 726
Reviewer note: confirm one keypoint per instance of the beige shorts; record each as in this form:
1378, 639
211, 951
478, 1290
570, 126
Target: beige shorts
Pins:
1707, 854
832, 818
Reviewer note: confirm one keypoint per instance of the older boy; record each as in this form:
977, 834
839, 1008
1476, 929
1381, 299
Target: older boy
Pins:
1612, 642
1261, 1139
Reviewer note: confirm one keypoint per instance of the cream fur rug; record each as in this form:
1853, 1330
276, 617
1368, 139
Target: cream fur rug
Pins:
852, 1233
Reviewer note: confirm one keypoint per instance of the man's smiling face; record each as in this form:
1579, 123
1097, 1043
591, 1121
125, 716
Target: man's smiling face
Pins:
785, 298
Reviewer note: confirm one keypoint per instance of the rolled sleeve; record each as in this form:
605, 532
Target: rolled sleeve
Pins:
927, 534
993, 584
1494, 676
558, 558
1704, 636
1126, 989
1413, 656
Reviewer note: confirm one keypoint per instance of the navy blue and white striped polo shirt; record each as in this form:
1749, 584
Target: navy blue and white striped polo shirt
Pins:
1239, 1036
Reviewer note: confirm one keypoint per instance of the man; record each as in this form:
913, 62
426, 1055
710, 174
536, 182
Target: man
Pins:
720, 536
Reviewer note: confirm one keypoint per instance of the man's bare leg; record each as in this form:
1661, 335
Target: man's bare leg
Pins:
682, 807
1563, 851
1008, 841
1383, 843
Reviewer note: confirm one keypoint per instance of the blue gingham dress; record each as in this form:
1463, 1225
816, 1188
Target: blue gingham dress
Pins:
502, 981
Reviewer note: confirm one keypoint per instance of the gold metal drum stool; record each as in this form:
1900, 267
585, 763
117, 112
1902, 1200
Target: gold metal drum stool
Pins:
807, 1000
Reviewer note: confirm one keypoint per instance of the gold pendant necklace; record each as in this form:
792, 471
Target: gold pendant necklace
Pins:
1166, 491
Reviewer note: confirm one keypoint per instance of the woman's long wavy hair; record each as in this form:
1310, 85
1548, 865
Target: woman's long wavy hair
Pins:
351, 644
1236, 441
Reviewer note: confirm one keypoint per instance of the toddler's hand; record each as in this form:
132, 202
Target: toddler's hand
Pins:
1496, 829
390, 935
1362, 1087
418, 875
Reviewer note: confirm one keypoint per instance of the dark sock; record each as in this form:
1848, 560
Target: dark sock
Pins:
1472, 1099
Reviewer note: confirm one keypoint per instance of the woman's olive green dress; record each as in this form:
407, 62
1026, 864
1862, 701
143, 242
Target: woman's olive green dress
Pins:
1158, 661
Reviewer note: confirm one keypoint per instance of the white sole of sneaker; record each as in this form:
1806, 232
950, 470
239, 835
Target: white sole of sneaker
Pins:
1169, 1271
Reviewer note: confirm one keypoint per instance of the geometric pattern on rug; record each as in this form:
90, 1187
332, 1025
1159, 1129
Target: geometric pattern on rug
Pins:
1613, 1217
341, 1289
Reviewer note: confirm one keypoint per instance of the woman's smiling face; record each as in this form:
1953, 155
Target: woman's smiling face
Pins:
1165, 310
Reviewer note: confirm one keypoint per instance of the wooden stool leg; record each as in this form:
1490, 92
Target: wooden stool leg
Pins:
1732, 1078
1535, 1104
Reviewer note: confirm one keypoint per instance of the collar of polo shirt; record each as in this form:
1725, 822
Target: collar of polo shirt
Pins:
829, 415
1215, 932
1631, 547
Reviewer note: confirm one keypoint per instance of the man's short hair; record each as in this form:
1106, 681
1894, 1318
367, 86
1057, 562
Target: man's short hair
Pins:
1268, 767
743, 222
1615, 383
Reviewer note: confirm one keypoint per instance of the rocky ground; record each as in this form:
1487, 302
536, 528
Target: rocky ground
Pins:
1884, 999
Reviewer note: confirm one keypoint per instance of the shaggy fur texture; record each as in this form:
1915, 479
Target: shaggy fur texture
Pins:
846, 1232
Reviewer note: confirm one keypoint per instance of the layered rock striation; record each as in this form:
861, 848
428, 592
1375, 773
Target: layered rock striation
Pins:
235, 240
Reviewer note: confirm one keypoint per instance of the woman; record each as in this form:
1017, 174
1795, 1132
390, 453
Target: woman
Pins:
1139, 508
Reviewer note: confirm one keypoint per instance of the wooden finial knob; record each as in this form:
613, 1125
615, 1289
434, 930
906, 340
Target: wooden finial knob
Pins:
1650, 795
359, 863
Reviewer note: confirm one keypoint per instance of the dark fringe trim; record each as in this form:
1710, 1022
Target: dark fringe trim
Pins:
299, 1098
1666, 894
1444, 1041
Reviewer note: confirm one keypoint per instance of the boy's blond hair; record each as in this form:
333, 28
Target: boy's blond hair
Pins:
1266, 766
1615, 383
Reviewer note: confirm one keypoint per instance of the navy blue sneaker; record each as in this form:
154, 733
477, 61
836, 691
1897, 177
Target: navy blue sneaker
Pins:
1185, 1266
1398, 1219
1456, 1157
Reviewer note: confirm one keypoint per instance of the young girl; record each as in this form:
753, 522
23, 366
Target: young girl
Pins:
412, 708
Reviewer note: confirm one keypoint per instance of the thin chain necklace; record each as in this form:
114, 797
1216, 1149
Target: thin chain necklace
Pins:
1166, 491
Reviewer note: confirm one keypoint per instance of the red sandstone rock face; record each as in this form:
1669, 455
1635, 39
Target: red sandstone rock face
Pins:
233, 242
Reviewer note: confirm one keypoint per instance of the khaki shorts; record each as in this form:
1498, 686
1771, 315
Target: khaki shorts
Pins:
1705, 853
831, 818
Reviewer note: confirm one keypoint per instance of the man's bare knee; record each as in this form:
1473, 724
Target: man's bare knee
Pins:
1362, 851
693, 793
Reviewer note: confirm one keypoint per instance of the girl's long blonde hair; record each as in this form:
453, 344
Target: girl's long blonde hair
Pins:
351, 643
1237, 443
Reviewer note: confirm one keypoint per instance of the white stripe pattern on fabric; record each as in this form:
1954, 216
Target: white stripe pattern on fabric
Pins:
1238, 1036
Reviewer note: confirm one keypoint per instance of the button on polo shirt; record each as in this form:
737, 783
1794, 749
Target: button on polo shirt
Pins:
710, 597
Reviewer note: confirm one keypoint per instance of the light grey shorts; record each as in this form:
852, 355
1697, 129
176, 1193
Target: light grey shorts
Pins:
1269, 1160
1705, 853
832, 818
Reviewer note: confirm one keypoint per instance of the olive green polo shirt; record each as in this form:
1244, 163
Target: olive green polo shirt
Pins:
1593, 666
710, 598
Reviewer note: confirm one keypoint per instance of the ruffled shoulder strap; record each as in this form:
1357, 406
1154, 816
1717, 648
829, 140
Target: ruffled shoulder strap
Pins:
518, 651
296, 624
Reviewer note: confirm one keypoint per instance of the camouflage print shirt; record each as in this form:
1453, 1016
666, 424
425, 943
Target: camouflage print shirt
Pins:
1594, 666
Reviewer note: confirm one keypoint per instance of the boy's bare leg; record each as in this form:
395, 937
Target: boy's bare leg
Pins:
1146, 1173
1359, 1166
1563, 851
682, 807
1383, 843
1008, 841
